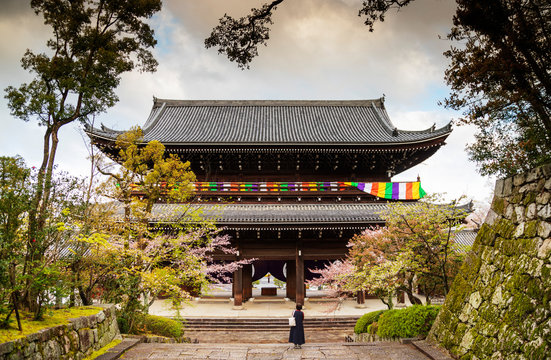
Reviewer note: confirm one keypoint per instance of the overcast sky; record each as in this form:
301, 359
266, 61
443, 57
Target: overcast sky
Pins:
319, 49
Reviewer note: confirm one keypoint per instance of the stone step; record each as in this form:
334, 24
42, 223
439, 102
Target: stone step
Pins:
213, 324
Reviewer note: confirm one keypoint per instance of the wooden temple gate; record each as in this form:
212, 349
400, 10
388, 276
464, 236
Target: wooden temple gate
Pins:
297, 179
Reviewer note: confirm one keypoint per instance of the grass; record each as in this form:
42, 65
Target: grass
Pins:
103, 350
51, 318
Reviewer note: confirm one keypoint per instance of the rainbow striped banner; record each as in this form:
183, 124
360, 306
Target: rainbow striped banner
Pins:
392, 190
385, 190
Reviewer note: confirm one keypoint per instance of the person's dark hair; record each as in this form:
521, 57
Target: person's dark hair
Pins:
299, 307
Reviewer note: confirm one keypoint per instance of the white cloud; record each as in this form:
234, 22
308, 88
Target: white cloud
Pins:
319, 49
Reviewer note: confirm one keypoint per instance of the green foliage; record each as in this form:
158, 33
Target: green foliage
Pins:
366, 320
159, 325
15, 200
410, 322
93, 43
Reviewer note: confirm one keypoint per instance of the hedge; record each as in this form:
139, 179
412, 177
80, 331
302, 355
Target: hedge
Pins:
366, 320
413, 321
162, 326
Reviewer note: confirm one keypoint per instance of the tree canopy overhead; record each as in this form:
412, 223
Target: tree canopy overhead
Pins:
498, 74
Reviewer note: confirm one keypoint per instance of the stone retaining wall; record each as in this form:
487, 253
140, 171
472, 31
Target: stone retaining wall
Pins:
499, 306
78, 339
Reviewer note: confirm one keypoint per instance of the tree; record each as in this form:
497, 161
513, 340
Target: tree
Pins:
416, 246
500, 80
424, 234
15, 199
141, 262
93, 43
498, 74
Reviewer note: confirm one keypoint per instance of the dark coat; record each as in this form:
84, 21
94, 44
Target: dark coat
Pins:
296, 335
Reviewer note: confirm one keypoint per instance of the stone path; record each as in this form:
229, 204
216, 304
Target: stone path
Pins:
367, 351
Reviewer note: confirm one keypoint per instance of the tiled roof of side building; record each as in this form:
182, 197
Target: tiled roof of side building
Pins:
271, 214
276, 122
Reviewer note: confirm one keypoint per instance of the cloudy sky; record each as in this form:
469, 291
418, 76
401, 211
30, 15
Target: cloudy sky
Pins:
319, 49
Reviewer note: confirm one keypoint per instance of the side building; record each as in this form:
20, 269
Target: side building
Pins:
290, 181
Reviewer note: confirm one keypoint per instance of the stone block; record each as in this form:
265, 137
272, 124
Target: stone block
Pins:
545, 212
531, 211
498, 191
519, 212
6, 348
519, 231
545, 249
543, 198
519, 179
29, 349
507, 187
544, 229
546, 170
52, 350
528, 188
548, 184
534, 174
101, 317
475, 300
86, 337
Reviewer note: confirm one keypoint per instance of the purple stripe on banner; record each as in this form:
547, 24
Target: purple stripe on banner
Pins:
395, 191
361, 186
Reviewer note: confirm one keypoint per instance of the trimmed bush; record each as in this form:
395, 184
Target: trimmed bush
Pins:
410, 322
162, 326
366, 320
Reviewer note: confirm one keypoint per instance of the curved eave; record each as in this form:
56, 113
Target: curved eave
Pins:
441, 137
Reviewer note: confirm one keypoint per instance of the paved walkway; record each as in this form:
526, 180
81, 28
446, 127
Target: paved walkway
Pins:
218, 304
380, 351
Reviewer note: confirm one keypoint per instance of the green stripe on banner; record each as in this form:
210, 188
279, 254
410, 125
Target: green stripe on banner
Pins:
388, 190
422, 192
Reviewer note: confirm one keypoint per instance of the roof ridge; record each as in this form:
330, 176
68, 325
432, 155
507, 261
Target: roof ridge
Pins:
175, 102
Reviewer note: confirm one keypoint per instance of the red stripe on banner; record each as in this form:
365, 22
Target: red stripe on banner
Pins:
374, 189
409, 191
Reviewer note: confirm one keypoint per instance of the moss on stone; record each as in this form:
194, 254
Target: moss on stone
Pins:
499, 205
531, 228
529, 198
505, 228
489, 312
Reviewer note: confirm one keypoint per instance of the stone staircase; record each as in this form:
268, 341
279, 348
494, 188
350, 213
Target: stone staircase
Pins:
261, 324
266, 330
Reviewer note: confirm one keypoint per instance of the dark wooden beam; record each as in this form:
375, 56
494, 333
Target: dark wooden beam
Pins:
247, 282
299, 260
291, 285
238, 289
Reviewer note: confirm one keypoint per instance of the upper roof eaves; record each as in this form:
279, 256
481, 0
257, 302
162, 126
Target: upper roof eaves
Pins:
275, 122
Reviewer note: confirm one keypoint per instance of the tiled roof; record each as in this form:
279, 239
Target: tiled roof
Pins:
197, 122
272, 214
464, 239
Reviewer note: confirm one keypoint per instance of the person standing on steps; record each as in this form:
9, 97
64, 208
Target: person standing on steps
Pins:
296, 334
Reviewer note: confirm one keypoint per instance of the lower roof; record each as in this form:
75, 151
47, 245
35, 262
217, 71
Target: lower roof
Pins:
273, 215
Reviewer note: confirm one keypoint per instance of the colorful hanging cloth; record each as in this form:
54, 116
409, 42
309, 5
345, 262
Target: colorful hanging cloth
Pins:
395, 191
392, 190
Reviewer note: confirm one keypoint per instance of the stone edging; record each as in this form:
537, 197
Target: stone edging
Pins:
76, 340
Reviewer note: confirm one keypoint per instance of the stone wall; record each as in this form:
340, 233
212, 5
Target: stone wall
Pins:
499, 306
78, 339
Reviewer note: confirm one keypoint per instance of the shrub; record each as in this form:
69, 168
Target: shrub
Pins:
366, 320
410, 322
162, 326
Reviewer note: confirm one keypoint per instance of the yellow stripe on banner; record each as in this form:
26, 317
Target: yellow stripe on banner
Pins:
415, 190
381, 190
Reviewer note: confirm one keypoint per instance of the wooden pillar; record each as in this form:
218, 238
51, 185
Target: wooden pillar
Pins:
360, 297
291, 285
238, 289
360, 300
247, 282
300, 286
